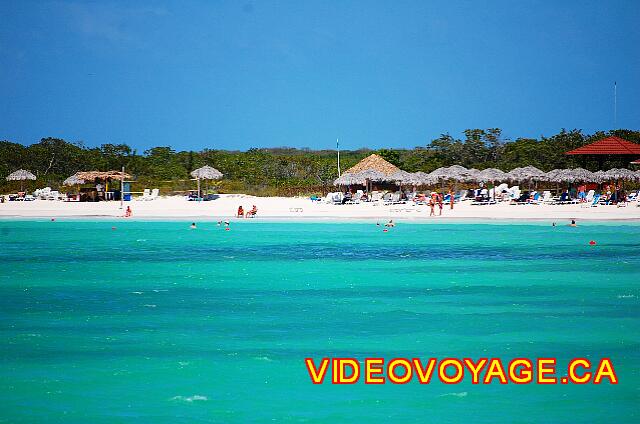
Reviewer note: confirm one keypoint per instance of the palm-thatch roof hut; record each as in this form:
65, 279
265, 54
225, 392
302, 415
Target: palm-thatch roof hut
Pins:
376, 163
102, 175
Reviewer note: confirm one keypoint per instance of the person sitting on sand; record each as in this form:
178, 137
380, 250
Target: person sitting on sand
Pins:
240, 213
252, 213
390, 223
128, 213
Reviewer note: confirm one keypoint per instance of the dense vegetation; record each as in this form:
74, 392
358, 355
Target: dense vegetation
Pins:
287, 171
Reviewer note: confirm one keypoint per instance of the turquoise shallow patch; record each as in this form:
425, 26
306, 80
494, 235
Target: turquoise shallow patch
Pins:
153, 322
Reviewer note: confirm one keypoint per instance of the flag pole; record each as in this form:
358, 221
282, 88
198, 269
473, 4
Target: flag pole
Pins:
615, 105
122, 188
338, 149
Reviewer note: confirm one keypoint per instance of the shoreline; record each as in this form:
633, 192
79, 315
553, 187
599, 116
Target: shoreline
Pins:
297, 209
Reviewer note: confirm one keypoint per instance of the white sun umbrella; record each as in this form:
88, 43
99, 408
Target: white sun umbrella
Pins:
21, 175
205, 173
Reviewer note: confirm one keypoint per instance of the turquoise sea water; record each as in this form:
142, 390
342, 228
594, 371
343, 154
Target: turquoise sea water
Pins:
154, 323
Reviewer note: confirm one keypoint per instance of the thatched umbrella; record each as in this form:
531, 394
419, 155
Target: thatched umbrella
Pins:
579, 174
205, 173
21, 175
491, 175
349, 178
73, 180
400, 177
621, 174
527, 173
422, 178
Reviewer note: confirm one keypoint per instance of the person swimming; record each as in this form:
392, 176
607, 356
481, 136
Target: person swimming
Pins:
193, 226
573, 223
390, 223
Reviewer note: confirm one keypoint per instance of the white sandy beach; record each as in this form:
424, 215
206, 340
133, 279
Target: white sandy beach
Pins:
303, 208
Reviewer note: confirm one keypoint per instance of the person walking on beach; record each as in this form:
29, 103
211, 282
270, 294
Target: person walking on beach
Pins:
451, 198
432, 205
440, 200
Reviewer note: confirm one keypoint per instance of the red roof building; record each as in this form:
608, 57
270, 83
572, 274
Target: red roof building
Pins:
608, 146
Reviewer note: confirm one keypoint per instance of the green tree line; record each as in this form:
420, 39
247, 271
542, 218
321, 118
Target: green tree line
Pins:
290, 171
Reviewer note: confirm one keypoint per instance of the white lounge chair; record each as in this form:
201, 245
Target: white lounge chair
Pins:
154, 194
145, 194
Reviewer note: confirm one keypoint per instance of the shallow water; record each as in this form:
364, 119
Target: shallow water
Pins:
153, 322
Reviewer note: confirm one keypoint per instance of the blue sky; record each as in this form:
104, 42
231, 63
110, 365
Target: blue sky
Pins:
241, 74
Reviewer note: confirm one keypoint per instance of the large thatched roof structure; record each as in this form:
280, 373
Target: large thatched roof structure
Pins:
90, 176
375, 163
